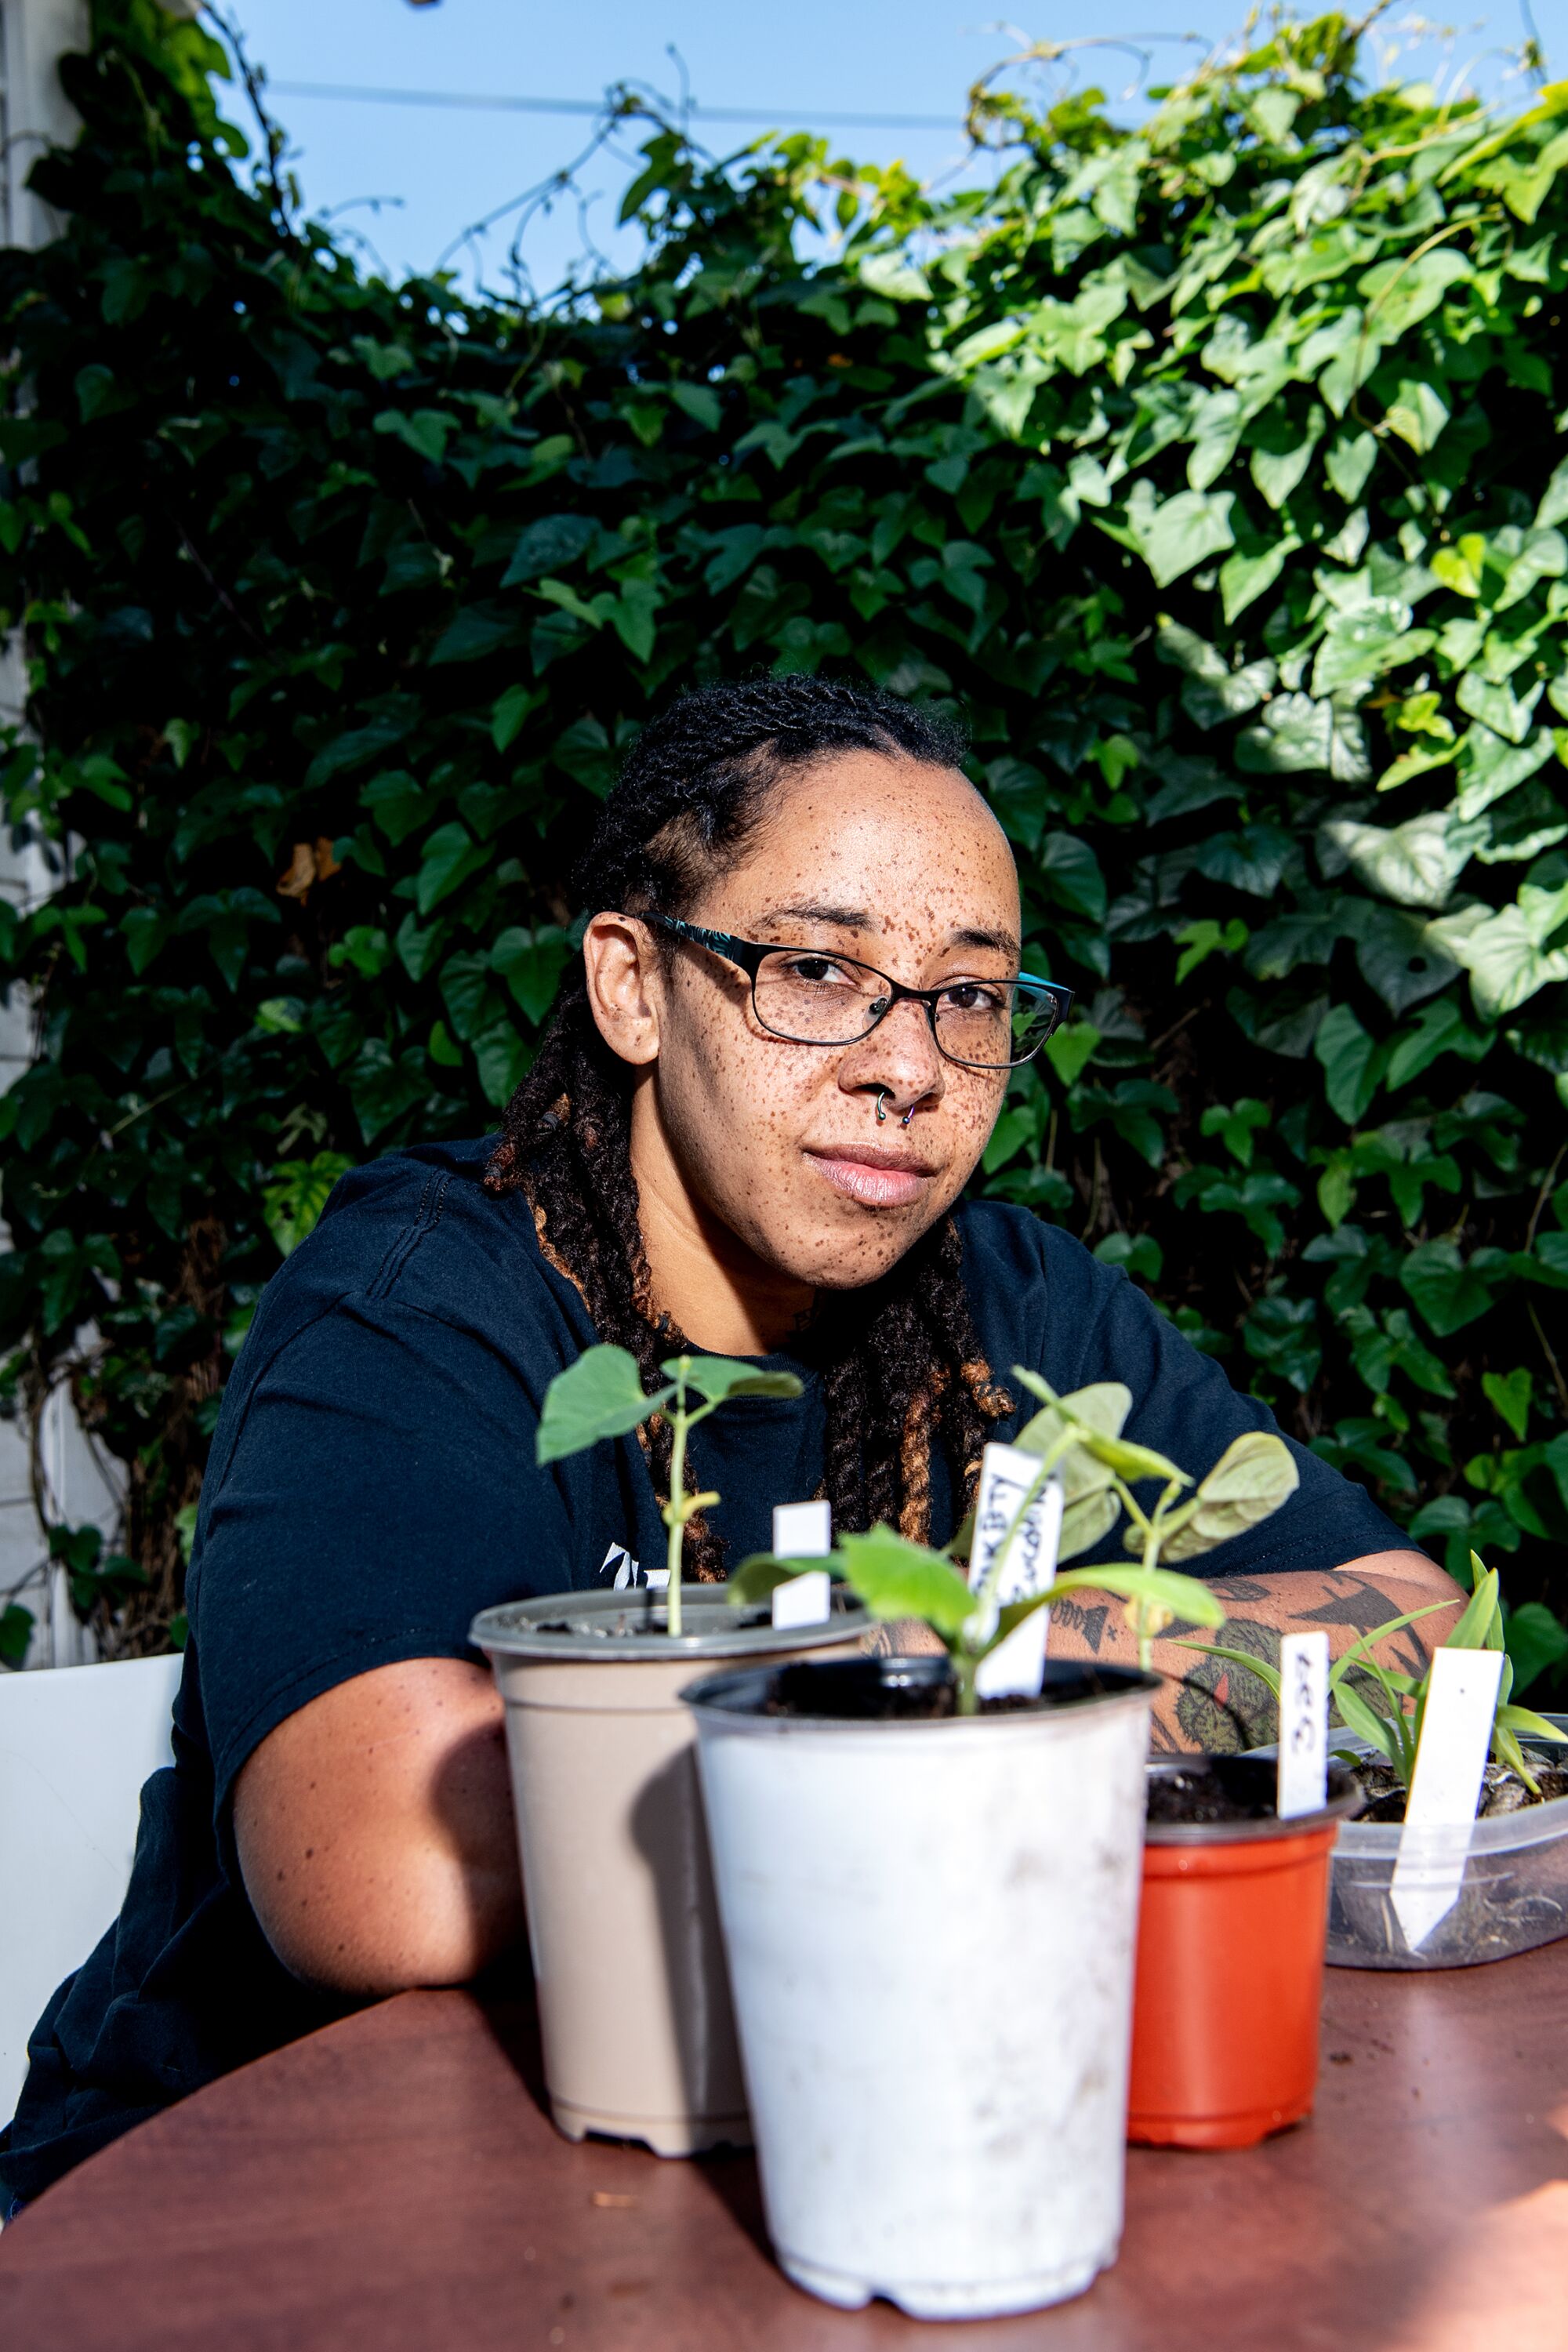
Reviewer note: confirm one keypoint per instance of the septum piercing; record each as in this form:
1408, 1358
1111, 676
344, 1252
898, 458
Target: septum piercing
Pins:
885, 1095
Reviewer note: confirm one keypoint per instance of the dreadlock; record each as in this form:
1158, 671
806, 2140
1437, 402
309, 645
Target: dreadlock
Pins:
902, 1362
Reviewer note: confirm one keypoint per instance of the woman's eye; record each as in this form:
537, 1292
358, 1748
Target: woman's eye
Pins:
972, 996
818, 971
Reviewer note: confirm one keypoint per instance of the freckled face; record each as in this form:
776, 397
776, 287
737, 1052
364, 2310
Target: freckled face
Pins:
900, 866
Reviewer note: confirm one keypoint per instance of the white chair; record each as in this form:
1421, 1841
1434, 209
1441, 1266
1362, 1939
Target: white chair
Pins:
76, 1744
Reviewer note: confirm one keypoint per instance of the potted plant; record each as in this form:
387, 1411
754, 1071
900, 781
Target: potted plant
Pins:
1514, 1891
1231, 1936
634, 2007
928, 1900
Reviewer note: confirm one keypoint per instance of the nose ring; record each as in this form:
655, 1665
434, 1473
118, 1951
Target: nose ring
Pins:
907, 1116
881, 1106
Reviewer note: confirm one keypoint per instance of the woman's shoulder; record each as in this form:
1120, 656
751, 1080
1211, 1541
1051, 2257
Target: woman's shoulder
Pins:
1039, 1296
1002, 1243
415, 1228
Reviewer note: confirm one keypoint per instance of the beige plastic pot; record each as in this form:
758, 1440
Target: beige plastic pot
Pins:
633, 1999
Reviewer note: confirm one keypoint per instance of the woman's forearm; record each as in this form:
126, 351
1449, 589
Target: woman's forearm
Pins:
1209, 1703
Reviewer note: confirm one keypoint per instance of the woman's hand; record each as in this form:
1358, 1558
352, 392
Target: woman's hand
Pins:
375, 1830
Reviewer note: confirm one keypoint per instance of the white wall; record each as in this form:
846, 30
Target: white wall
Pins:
37, 113
76, 1485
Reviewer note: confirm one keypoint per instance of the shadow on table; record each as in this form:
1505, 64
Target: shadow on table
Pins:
511, 2012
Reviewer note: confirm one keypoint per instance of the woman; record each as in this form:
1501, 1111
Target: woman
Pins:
764, 1092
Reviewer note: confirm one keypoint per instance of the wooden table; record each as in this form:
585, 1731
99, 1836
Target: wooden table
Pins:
393, 2183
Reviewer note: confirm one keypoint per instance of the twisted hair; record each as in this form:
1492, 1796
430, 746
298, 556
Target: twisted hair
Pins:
902, 1362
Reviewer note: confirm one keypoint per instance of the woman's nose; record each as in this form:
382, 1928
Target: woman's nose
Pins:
900, 1057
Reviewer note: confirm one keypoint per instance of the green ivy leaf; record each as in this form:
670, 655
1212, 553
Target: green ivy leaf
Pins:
599, 1396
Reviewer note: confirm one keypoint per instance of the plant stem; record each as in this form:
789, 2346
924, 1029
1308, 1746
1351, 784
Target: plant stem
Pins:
674, 1514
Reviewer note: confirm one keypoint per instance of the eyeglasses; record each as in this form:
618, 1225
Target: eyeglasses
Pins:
814, 996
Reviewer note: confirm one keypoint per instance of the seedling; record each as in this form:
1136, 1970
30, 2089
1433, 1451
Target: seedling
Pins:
1395, 1730
601, 1395
1078, 1438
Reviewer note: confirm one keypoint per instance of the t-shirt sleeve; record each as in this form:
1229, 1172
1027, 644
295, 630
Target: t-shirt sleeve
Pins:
1102, 1328
380, 1490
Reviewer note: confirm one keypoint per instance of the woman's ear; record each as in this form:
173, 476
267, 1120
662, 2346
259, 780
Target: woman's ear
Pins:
621, 961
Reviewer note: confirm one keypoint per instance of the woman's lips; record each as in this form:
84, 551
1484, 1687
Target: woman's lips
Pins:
878, 1178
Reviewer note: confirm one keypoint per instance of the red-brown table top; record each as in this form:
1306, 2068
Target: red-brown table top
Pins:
393, 2182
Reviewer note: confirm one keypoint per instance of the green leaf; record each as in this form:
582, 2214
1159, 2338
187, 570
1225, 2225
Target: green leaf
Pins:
1251, 572
502, 1061
760, 1574
1070, 1050
16, 1634
1162, 1588
426, 432
1267, 1673
718, 1377
1509, 1394
1176, 536
479, 630
298, 1191
1362, 1719
550, 544
1360, 644
146, 929
1088, 1521
1447, 1292
1349, 463
451, 854
1253, 1477
898, 1578
531, 963
1351, 1063
1536, 1640
599, 1396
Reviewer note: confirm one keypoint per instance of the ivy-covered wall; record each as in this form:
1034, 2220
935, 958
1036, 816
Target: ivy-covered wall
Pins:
1215, 471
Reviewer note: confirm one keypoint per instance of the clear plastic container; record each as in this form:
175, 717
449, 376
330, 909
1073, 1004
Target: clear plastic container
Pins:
1514, 1895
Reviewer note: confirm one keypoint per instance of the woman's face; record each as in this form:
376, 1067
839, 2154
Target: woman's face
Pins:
900, 866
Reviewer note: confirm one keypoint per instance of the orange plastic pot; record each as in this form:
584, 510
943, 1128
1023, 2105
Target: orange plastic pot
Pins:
1229, 1979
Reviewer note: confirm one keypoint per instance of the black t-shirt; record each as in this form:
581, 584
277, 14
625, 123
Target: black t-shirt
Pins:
373, 1485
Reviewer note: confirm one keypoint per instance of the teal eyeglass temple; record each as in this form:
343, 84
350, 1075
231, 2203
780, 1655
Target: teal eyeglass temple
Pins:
749, 956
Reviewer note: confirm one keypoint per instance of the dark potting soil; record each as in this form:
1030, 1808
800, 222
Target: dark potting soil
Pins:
921, 1690
1503, 1791
1215, 1789
898, 1702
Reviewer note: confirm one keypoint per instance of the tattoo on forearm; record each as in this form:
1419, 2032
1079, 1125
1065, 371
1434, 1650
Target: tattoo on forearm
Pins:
1244, 1587
1221, 1707
1358, 1606
1079, 1618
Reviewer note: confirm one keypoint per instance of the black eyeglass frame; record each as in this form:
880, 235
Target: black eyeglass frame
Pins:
748, 956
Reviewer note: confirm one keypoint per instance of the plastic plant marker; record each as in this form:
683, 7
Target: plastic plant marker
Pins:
1440, 1815
803, 1531
1303, 1769
1006, 1474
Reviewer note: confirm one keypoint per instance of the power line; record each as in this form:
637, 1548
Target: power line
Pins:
498, 103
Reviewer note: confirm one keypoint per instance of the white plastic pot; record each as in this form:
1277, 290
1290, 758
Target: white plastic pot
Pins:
931, 1927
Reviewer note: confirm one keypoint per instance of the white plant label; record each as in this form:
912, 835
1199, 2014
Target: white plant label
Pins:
1456, 1734
1006, 1474
803, 1531
1302, 1785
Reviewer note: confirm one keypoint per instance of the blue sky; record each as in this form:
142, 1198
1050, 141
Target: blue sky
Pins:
412, 178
